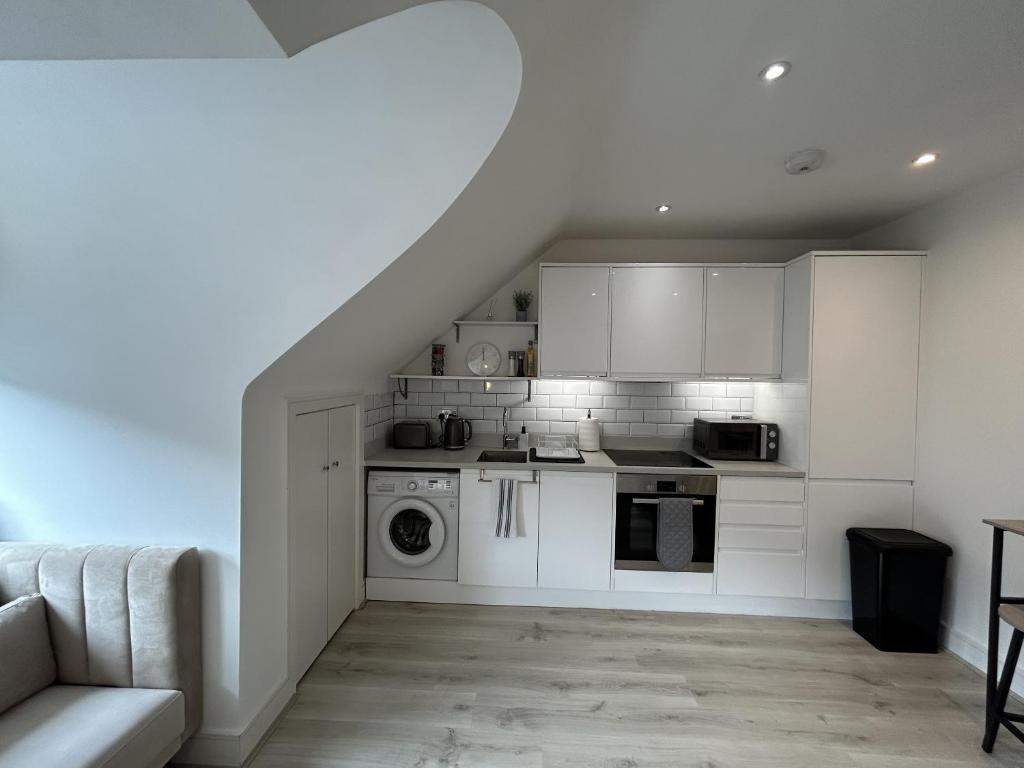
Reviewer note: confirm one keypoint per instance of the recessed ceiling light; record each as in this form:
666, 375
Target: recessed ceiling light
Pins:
663, 208
926, 159
775, 70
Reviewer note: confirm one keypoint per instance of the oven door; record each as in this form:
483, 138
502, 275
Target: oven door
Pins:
636, 531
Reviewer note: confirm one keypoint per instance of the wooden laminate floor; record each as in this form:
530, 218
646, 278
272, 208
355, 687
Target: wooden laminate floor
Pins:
456, 685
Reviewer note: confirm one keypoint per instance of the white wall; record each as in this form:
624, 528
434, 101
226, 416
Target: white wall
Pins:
168, 229
970, 413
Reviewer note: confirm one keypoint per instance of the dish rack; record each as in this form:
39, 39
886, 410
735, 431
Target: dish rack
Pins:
540, 440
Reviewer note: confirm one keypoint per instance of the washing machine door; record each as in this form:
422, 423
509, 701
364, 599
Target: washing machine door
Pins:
411, 532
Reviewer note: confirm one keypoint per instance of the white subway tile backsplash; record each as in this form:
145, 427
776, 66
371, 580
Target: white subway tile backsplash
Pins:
399, 411
420, 385
589, 401
562, 401
739, 390
713, 414
549, 414
494, 413
643, 402
538, 401
657, 388
686, 388
446, 385
683, 417
563, 427
726, 404
643, 430
499, 387
630, 388
616, 401
603, 414
470, 385
484, 426
431, 398
573, 414
548, 387
657, 417
576, 387
620, 430
471, 412
419, 411
699, 404
510, 400
602, 387
671, 430
629, 416
524, 414
538, 426
483, 399
676, 403
711, 389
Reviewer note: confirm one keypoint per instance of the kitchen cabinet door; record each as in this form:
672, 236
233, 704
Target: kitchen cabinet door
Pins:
743, 324
657, 321
486, 559
834, 506
864, 367
574, 322
796, 321
577, 521
344, 539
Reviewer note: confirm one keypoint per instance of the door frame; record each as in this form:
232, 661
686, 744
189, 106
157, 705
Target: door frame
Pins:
297, 407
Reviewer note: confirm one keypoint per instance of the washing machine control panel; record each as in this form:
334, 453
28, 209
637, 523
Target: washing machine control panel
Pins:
420, 486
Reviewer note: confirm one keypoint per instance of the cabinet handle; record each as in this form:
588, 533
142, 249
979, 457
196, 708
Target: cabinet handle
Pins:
334, 463
325, 467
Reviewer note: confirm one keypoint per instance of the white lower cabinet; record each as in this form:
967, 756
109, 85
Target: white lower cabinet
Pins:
760, 537
486, 559
577, 521
832, 507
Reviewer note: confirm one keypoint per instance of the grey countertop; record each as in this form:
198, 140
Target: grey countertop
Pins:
597, 461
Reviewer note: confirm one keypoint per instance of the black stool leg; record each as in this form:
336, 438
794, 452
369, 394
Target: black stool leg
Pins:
999, 706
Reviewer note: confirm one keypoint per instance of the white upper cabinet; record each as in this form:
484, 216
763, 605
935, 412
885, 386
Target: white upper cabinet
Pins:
574, 321
657, 321
864, 366
796, 321
743, 328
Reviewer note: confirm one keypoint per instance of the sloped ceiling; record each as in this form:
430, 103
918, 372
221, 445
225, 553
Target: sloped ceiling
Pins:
133, 29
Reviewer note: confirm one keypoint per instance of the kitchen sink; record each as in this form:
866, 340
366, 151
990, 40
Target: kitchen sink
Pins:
509, 457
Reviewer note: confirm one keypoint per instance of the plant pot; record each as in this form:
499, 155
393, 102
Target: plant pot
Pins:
520, 315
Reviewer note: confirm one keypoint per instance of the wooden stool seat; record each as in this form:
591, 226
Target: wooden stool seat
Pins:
1013, 615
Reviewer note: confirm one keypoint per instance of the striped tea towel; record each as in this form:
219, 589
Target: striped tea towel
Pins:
505, 491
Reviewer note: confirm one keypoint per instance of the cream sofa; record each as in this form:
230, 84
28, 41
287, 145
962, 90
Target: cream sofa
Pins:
122, 688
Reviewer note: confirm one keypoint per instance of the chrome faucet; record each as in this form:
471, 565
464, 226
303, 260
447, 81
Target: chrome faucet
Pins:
507, 440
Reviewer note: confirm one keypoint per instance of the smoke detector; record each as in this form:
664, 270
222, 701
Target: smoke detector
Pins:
804, 161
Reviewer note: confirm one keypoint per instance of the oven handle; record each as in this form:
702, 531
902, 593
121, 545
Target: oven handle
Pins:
696, 502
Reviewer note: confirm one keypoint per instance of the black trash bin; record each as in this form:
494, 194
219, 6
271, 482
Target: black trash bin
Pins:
897, 579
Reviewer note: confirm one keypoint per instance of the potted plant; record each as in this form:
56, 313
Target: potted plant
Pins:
522, 299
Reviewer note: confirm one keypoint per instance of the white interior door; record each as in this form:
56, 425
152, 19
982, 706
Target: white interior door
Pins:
342, 529
309, 474
657, 321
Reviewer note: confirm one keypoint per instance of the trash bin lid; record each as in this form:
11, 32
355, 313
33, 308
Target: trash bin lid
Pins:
897, 539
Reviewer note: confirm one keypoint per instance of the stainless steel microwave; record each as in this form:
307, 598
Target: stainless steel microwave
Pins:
736, 439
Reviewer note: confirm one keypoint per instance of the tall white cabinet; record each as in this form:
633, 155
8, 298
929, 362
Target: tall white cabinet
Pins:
657, 321
324, 537
574, 305
864, 326
743, 333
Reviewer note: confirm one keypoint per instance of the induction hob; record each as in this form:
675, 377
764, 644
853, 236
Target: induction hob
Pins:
627, 458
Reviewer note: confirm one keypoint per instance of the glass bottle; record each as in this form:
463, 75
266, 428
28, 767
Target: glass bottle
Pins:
531, 360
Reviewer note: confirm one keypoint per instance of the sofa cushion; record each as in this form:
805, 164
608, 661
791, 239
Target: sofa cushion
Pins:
28, 664
80, 726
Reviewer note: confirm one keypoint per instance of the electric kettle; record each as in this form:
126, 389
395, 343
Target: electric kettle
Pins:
455, 432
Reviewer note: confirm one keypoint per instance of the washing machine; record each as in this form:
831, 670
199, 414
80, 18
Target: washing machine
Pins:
412, 525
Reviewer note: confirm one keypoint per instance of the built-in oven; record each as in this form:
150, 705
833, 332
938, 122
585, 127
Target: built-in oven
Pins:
637, 499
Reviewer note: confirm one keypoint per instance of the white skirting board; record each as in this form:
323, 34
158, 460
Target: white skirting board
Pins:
423, 591
226, 748
974, 653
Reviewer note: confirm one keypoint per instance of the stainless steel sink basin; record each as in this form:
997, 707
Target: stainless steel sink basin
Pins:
509, 457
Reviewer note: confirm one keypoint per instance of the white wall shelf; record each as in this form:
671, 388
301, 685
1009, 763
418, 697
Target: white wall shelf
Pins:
504, 323
404, 377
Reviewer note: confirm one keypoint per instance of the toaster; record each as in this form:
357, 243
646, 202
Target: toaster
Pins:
410, 434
